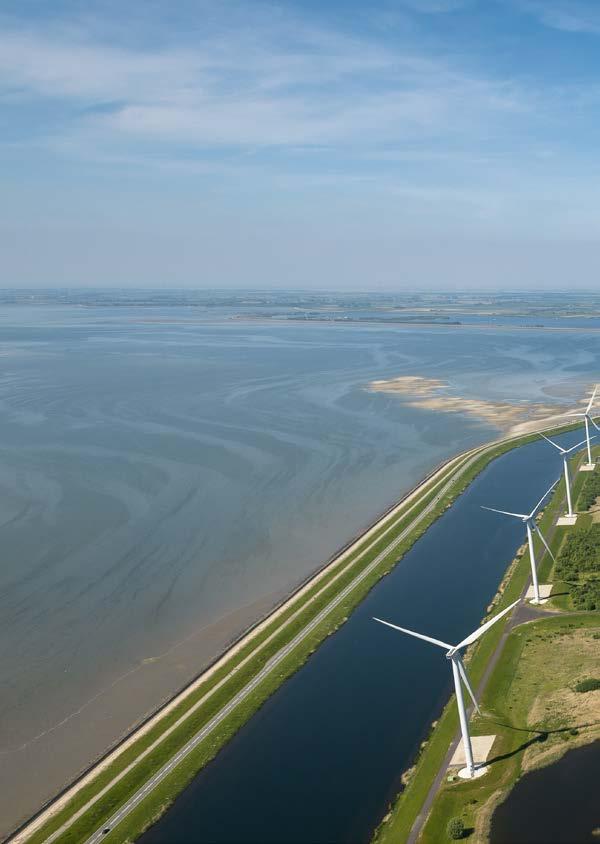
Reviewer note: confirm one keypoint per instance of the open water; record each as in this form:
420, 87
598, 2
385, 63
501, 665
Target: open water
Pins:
554, 805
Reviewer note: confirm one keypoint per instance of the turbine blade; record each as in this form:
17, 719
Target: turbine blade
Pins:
444, 645
504, 512
545, 495
573, 413
465, 679
591, 401
481, 630
541, 536
573, 447
593, 423
551, 443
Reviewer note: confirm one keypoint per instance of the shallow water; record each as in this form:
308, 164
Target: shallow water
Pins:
163, 482
555, 805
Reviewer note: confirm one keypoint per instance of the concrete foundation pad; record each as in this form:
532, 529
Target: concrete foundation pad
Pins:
481, 746
479, 771
587, 467
566, 520
545, 590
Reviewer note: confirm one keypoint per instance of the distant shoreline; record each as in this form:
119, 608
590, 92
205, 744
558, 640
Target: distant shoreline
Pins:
401, 324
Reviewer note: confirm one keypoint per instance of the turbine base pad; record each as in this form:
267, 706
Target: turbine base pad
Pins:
544, 589
481, 747
566, 520
478, 771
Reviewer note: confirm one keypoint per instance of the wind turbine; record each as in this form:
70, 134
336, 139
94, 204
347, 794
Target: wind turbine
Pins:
588, 419
458, 673
531, 525
564, 452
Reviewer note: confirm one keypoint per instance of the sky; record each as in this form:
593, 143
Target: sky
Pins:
339, 145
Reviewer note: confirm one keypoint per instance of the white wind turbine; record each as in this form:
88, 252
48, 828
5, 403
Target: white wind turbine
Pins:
458, 672
531, 525
564, 452
588, 419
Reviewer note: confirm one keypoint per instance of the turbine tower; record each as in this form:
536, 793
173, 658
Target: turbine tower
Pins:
459, 673
588, 419
531, 525
564, 452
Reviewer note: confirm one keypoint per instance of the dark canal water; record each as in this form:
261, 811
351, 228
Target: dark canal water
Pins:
320, 761
556, 805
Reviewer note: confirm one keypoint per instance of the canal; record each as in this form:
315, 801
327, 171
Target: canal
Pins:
555, 805
322, 759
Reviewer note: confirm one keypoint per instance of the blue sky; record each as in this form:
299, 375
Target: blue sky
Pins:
388, 145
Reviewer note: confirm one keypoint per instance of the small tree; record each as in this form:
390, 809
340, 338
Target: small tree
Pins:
455, 828
592, 684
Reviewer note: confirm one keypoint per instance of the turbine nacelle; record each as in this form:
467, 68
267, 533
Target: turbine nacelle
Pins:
588, 420
530, 523
586, 412
453, 651
565, 451
585, 416
459, 675
591, 404
525, 517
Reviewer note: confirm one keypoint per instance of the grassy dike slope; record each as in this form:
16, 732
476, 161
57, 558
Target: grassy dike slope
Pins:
327, 601
536, 665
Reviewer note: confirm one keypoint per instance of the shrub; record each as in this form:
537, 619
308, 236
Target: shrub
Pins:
589, 685
579, 566
455, 829
590, 491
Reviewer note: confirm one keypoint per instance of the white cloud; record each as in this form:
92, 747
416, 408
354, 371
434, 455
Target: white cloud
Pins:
288, 84
435, 6
186, 139
566, 15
